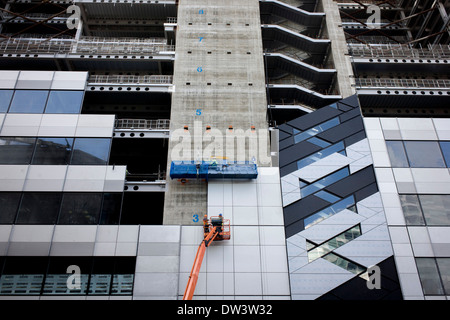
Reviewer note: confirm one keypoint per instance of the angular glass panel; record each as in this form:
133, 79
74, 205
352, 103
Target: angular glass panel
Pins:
344, 263
39, 208
9, 202
53, 151
29, 101
444, 269
412, 210
64, 102
320, 155
436, 209
5, 99
445, 148
397, 154
16, 150
424, 154
346, 203
80, 208
327, 196
334, 243
326, 181
429, 276
91, 151
319, 142
316, 130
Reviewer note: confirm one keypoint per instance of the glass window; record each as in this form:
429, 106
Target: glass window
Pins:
320, 155
80, 208
29, 101
5, 99
444, 269
39, 208
64, 102
429, 276
91, 151
53, 151
9, 202
326, 181
445, 147
346, 203
57, 276
424, 154
411, 209
112, 203
16, 150
436, 209
316, 130
397, 154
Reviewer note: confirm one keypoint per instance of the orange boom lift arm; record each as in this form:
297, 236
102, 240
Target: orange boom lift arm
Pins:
214, 230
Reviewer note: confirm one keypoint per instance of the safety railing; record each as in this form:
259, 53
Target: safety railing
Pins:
89, 45
142, 124
403, 83
400, 51
128, 79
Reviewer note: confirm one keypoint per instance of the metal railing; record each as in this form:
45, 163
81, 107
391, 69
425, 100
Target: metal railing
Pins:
400, 51
126, 79
88, 45
403, 83
142, 124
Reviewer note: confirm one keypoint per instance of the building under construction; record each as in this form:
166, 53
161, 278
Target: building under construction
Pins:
318, 129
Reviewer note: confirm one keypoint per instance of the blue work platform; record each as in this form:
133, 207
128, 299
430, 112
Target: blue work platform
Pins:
213, 170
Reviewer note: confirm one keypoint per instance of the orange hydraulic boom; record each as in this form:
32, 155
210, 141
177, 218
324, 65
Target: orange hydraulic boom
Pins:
217, 229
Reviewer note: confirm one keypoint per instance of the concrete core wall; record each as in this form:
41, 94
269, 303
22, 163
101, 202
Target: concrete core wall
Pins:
219, 82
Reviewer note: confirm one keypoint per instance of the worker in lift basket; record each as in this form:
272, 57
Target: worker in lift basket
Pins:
219, 228
205, 224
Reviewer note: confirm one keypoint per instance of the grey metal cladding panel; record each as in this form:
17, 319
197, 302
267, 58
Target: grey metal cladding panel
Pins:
342, 131
353, 183
283, 135
288, 169
294, 228
351, 101
297, 152
366, 192
352, 113
303, 208
355, 138
286, 143
314, 118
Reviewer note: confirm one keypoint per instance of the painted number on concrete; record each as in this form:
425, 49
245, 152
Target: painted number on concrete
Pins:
198, 112
195, 218
200, 39
199, 69
201, 11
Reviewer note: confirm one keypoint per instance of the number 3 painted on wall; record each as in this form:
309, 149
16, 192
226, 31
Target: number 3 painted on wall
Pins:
195, 218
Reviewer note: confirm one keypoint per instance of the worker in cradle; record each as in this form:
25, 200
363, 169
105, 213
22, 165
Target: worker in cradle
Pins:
205, 224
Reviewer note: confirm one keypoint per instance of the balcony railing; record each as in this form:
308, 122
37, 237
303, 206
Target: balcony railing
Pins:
399, 51
403, 83
88, 45
142, 124
131, 79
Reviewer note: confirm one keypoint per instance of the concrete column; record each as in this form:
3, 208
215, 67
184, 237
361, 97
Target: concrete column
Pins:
219, 82
339, 50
